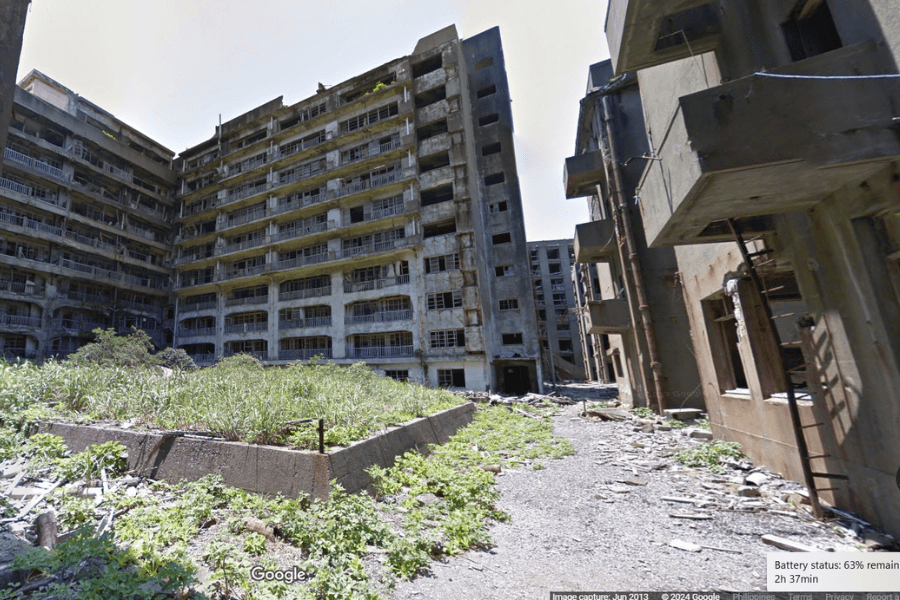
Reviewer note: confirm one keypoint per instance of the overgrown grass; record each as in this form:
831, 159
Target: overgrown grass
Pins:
237, 399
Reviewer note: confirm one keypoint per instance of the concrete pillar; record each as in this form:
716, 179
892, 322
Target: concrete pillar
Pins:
12, 27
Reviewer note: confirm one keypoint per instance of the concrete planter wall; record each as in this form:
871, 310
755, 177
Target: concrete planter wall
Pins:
266, 469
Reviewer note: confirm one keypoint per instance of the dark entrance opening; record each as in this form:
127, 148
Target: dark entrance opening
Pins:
516, 381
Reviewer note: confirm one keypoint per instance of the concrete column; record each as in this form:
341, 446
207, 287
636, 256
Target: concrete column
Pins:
12, 27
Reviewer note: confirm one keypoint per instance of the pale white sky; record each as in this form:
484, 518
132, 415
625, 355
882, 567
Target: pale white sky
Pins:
169, 67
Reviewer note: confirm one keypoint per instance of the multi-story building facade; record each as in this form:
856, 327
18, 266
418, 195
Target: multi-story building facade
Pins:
85, 224
378, 220
630, 299
552, 263
772, 170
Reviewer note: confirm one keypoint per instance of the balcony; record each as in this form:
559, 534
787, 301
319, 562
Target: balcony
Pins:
8, 321
644, 33
234, 273
250, 301
304, 293
186, 332
203, 359
367, 184
374, 284
384, 316
257, 354
247, 327
305, 323
304, 353
608, 316
24, 289
380, 352
595, 241
210, 304
35, 164
583, 173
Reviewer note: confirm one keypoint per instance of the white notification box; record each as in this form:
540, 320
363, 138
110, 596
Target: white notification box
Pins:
834, 572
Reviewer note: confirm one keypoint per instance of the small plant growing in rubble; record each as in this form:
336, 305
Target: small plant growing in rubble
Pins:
710, 455
642, 412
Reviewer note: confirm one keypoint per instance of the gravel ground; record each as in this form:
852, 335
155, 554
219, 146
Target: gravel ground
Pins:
579, 525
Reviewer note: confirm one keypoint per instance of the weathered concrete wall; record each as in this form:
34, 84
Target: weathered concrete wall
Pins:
267, 469
12, 27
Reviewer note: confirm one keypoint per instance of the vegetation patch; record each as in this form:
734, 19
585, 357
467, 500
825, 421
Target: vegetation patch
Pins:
710, 455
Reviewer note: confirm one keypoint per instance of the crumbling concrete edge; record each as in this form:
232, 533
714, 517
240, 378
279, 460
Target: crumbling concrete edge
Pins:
265, 469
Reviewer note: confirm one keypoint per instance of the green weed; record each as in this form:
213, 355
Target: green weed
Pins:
708, 455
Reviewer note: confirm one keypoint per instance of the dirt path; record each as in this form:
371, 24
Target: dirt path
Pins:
596, 521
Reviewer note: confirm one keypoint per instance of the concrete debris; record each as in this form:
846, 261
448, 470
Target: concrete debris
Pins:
700, 434
757, 478
683, 414
530, 398
491, 468
693, 516
427, 499
748, 491
260, 527
786, 544
688, 546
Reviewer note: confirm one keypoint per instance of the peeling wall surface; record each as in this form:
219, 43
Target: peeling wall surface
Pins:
377, 220
817, 201
267, 469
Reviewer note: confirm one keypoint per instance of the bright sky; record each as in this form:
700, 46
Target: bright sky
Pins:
169, 67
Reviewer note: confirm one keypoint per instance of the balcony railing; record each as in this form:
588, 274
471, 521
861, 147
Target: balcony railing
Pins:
145, 281
239, 194
203, 359
246, 244
247, 327
300, 261
249, 301
19, 321
87, 297
304, 323
188, 332
374, 247
367, 184
303, 203
17, 287
305, 293
304, 354
375, 284
89, 241
367, 151
79, 324
258, 354
240, 219
200, 305
138, 305
35, 164
381, 351
244, 272
380, 317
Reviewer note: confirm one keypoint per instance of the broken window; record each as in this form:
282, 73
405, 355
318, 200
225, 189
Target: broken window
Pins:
435, 161
451, 378
489, 149
494, 178
428, 65
497, 207
431, 96
304, 114
484, 63
505, 271
486, 91
810, 30
511, 339
447, 338
501, 238
398, 374
439, 264
369, 118
488, 119
437, 195
444, 300
432, 129
436, 229
510, 304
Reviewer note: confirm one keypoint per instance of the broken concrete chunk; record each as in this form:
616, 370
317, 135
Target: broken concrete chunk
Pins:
786, 544
257, 526
607, 414
748, 491
756, 478
491, 468
687, 546
683, 414
427, 499
700, 434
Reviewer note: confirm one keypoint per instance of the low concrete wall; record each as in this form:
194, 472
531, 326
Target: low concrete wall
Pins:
266, 469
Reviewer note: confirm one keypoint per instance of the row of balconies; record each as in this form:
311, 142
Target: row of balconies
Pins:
304, 261
308, 353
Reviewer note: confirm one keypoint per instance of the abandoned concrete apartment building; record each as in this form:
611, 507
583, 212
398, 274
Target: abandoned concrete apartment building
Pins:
756, 144
379, 220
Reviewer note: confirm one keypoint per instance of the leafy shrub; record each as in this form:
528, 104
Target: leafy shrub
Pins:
176, 359
111, 350
112, 456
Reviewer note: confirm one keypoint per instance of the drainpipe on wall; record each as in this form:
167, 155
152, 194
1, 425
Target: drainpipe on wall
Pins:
632, 266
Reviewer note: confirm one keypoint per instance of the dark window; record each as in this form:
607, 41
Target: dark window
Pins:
398, 374
435, 161
494, 179
452, 377
445, 262
555, 268
810, 33
436, 195
431, 130
511, 304
448, 338
565, 345
488, 119
484, 63
510, 339
489, 149
427, 66
552, 253
430, 97
439, 229
505, 271
497, 207
502, 238
487, 91
444, 300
